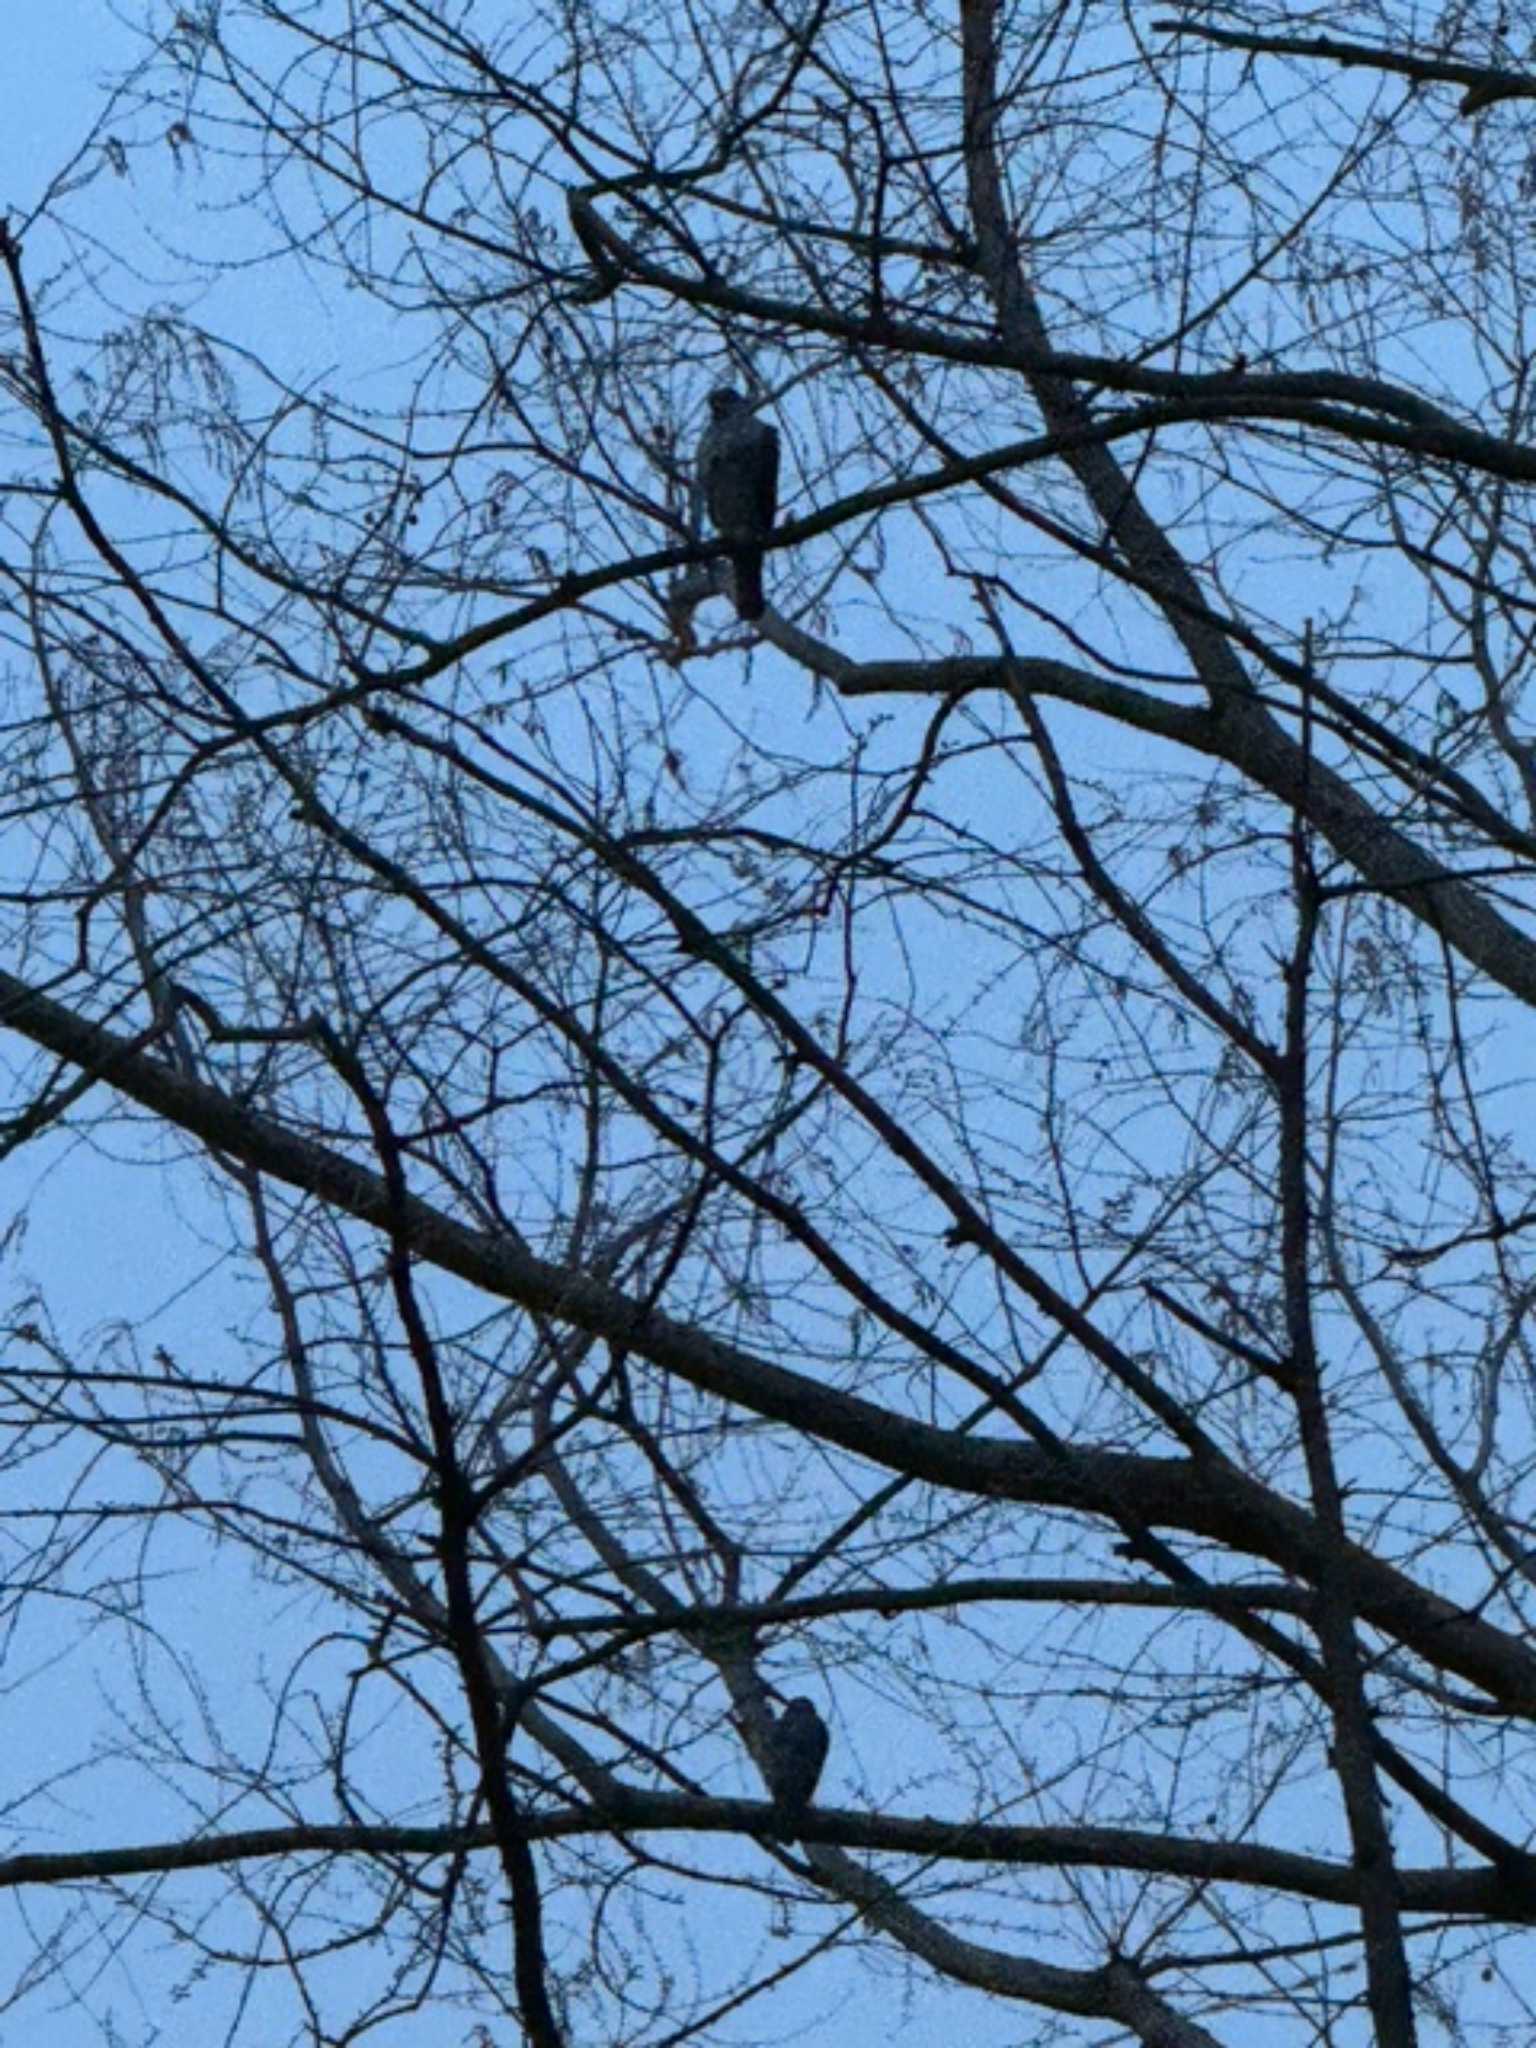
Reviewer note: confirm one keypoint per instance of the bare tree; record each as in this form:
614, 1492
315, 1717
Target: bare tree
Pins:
959, 1158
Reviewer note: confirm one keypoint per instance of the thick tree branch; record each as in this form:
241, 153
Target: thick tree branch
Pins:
1178, 1493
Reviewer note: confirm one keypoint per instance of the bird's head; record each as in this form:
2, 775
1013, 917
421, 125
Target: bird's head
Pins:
727, 399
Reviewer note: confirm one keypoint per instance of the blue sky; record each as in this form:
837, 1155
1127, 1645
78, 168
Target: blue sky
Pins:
140, 1258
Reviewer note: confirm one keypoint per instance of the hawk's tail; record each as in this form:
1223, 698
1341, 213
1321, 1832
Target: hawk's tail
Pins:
787, 1816
747, 564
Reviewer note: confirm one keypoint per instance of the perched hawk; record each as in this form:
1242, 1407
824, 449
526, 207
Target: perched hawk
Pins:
736, 477
797, 1749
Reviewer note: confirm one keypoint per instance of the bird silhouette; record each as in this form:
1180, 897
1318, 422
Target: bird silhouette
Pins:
797, 1749
736, 481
